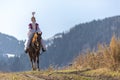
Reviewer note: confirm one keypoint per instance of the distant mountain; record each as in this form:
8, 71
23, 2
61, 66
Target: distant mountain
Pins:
10, 50
10, 45
63, 47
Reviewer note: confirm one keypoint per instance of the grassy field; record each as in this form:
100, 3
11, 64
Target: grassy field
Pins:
99, 74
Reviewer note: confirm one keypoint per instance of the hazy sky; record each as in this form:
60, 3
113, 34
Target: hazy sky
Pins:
53, 16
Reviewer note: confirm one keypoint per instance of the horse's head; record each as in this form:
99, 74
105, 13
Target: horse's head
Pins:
36, 40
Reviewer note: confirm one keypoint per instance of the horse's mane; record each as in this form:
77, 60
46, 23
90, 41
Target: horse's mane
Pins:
34, 37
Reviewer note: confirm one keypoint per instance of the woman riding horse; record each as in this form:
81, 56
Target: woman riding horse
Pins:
33, 27
34, 42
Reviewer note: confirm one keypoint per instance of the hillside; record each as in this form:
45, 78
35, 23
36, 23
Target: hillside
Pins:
10, 45
10, 50
66, 46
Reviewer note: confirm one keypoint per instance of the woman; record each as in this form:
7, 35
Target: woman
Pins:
33, 27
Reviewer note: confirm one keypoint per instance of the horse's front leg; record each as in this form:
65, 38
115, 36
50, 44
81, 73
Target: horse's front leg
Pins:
32, 63
31, 59
38, 63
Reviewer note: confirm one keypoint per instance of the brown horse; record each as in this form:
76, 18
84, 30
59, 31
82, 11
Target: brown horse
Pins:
34, 50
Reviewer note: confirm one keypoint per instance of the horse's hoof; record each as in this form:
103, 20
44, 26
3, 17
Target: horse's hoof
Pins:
33, 69
38, 69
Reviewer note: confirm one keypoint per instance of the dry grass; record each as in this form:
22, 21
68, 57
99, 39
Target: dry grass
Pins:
106, 56
41, 75
97, 74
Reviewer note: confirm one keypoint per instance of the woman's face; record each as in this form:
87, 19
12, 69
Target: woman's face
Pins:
33, 20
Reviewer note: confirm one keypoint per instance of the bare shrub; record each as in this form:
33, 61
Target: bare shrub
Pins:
107, 56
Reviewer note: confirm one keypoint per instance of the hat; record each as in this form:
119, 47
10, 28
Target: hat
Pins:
33, 13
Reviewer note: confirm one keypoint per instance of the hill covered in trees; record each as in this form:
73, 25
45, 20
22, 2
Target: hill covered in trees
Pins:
66, 46
10, 45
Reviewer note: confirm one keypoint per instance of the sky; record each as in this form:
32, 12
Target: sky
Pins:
53, 16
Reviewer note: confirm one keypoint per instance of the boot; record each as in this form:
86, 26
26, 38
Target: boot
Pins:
43, 49
26, 50
43, 46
